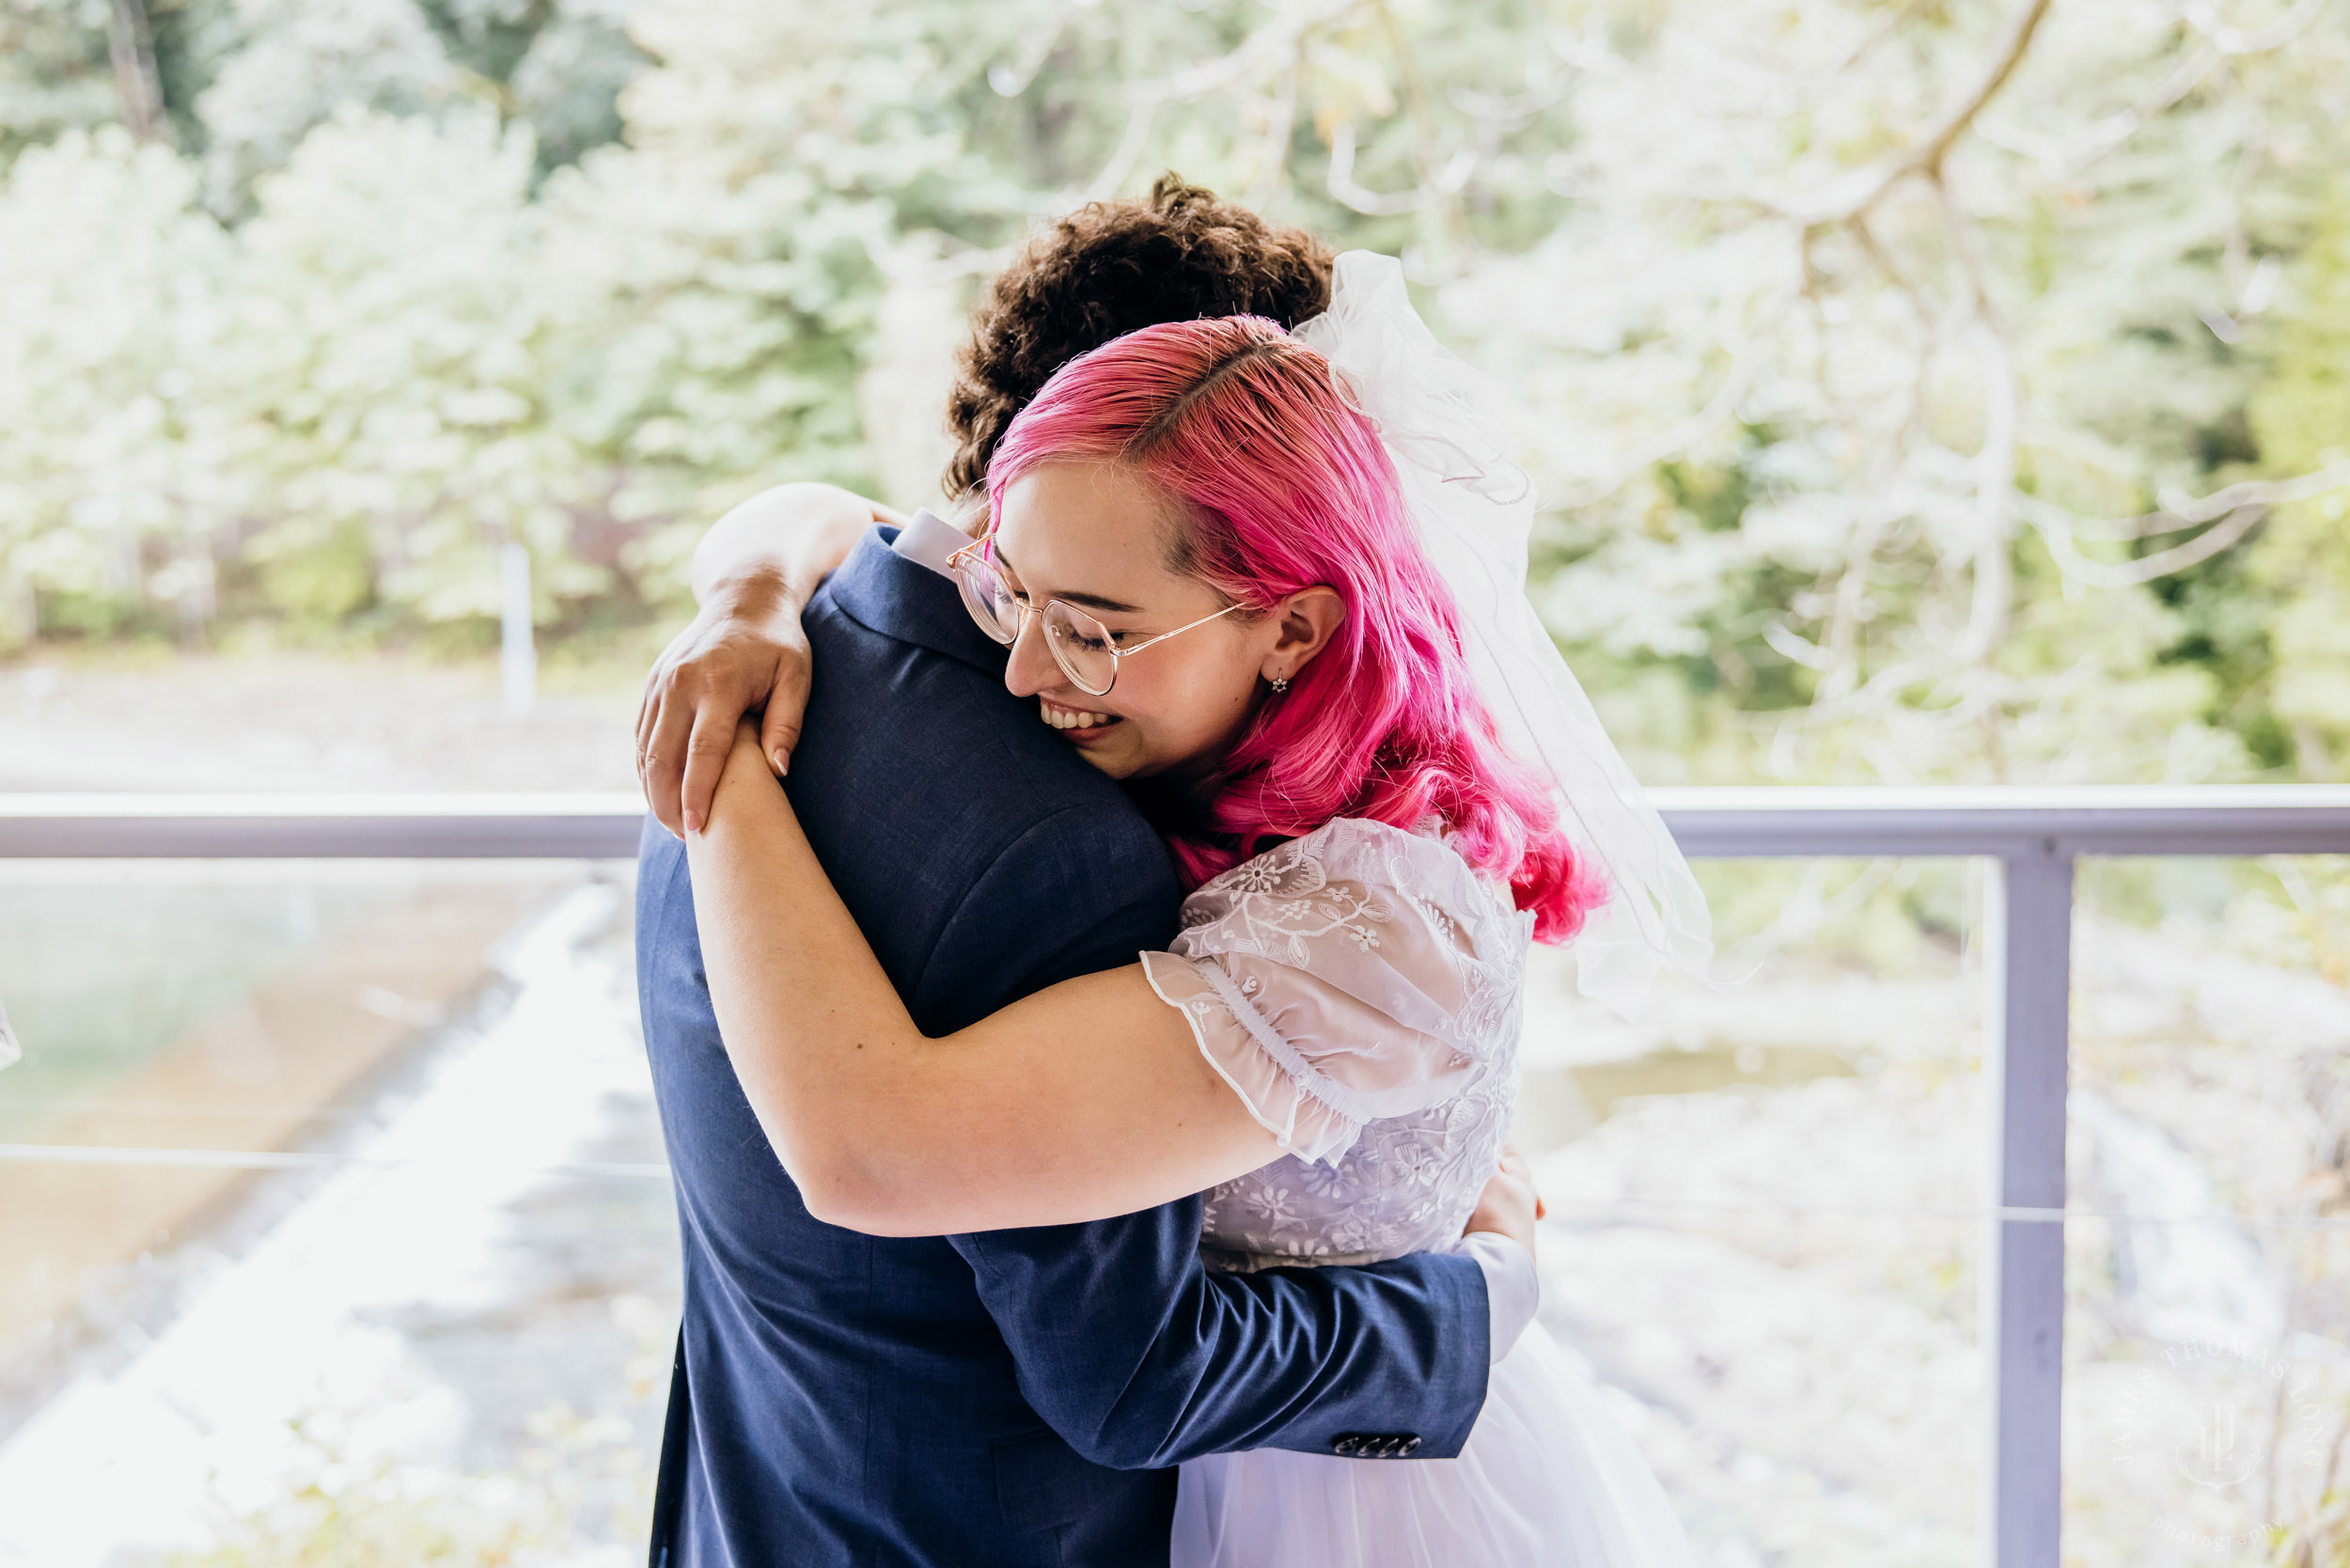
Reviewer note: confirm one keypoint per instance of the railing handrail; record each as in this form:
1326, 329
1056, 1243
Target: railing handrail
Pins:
1762, 820
540, 825
99, 805
2007, 819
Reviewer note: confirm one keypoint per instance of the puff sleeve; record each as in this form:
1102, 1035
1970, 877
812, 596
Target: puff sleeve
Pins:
1344, 978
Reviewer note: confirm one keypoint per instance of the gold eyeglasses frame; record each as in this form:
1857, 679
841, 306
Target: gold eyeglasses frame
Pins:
968, 562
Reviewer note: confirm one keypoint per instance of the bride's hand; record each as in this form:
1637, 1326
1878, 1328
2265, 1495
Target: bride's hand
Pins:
1508, 1206
744, 653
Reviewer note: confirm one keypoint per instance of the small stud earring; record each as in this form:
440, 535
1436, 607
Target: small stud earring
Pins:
1280, 683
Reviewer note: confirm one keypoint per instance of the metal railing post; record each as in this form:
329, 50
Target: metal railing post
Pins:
2028, 966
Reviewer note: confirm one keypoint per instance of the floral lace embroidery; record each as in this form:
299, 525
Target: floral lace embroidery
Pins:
1283, 900
1408, 1182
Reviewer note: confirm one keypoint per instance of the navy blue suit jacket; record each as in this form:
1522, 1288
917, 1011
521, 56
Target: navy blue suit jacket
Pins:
1012, 1398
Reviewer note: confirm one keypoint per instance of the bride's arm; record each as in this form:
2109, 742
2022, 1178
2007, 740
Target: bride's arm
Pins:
1088, 1099
797, 532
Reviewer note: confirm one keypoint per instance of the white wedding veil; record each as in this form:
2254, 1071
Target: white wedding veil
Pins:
1442, 424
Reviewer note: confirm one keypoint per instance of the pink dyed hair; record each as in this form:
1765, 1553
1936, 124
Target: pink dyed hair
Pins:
1283, 487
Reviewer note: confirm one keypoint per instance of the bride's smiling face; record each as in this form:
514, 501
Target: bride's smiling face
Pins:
1103, 540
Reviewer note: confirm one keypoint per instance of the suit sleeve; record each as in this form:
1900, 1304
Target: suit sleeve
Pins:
1126, 1345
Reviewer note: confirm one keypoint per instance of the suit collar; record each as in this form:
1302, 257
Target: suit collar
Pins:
881, 590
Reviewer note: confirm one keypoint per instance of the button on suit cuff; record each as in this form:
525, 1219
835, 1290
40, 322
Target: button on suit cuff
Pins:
1513, 1287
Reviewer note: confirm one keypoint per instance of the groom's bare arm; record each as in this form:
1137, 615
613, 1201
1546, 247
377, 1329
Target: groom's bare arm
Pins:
744, 653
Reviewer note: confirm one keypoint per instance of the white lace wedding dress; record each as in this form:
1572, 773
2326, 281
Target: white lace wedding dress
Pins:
1360, 988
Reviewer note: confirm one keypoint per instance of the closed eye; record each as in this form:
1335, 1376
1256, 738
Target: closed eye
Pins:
1011, 578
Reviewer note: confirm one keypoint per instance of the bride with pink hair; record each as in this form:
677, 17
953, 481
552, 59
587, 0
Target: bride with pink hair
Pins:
1222, 562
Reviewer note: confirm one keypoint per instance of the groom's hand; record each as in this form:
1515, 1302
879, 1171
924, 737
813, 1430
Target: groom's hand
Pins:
744, 653
1508, 1206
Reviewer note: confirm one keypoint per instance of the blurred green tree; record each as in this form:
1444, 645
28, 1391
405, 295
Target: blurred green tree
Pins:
1918, 392
2301, 570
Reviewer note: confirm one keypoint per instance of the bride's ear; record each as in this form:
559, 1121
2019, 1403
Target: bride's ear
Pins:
1304, 623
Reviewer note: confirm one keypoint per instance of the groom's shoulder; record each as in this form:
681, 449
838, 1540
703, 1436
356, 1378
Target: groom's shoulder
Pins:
914, 759
908, 702
981, 856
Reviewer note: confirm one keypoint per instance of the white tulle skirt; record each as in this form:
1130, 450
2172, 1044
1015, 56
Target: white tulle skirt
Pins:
1547, 1480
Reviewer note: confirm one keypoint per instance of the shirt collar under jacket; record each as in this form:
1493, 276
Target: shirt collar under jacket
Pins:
928, 540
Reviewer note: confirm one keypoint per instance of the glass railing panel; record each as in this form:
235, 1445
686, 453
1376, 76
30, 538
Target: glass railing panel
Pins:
1763, 1237
2207, 1320
333, 1213
332, 1197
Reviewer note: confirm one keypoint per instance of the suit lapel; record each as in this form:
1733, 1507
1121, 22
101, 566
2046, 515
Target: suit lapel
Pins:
884, 591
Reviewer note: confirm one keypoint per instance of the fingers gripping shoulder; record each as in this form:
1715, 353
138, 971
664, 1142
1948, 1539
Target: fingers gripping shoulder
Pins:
728, 664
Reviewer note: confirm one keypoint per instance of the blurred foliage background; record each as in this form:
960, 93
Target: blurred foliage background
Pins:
1919, 389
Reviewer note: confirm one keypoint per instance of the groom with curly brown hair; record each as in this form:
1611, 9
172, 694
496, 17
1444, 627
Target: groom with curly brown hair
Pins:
1013, 1397
1100, 273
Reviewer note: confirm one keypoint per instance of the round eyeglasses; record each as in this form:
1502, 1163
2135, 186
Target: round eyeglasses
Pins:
1087, 650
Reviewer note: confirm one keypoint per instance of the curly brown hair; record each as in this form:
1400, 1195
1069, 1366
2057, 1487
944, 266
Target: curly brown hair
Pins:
1105, 270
